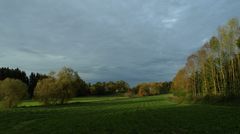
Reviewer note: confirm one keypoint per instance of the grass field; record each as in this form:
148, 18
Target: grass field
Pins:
120, 115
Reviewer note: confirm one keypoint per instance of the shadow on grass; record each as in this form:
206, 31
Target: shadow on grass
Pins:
181, 119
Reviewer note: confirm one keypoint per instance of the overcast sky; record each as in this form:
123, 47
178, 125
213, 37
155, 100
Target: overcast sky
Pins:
131, 40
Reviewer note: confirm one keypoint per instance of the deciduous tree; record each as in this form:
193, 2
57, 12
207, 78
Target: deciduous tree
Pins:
12, 91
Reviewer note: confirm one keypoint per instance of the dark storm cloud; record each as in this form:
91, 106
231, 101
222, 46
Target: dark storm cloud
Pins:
133, 40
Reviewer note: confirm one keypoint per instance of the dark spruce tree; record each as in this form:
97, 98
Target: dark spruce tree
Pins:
14, 74
33, 79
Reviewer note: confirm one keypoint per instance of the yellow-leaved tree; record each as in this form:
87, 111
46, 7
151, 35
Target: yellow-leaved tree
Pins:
59, 87
12, 91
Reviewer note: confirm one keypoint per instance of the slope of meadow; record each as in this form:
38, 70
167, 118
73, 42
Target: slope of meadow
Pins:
154, 114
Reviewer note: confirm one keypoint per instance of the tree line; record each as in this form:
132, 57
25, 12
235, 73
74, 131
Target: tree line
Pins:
214, 70
54, 88
59, 87
30, 81
152, 88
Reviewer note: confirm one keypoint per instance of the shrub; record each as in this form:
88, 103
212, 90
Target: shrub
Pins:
12, 91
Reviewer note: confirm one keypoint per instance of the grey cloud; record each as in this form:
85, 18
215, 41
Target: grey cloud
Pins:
133, 40
29, 51
2, 55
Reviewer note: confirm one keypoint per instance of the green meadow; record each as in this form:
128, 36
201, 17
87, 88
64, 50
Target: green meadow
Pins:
121, 115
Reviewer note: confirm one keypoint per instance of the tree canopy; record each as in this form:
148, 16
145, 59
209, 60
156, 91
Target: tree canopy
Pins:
12, 91
59, 87
214, 70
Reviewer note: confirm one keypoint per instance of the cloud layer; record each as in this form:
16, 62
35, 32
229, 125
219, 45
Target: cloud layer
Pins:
132, 40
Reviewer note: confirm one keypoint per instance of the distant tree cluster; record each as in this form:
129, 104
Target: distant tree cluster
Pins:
55, 88
152, 88
109, 88
214, 70
14, 74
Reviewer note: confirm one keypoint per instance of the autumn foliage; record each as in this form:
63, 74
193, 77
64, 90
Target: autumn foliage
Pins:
214, 70
58, 88
12, 91
152, 88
